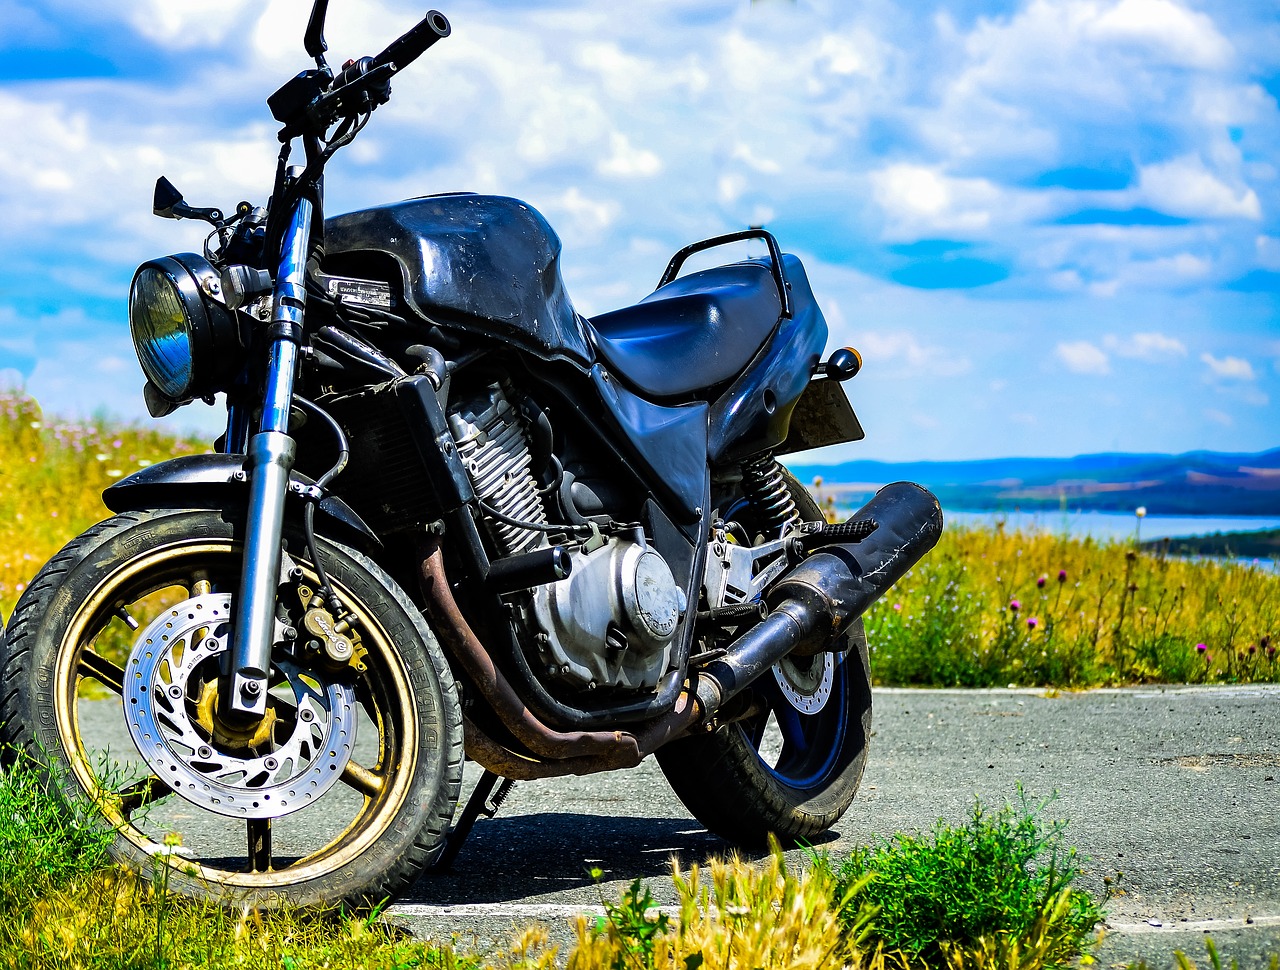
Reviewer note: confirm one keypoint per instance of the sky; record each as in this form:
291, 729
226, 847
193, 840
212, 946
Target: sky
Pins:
1052, 227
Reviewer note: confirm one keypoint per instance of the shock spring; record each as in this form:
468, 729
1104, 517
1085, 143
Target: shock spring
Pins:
767, 492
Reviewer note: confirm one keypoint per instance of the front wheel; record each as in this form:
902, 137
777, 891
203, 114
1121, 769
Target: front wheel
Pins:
342, 793
793, 767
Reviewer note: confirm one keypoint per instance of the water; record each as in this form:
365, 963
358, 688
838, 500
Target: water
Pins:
1113, 525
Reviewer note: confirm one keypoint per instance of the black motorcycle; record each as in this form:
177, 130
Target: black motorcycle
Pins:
450, 519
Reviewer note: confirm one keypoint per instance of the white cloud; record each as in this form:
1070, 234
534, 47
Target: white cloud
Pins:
1185, 187
1082, 357
191, 23
1149, 346
1228, 368
920, 200
908, 354
1219, 417
1169, 29
628, 161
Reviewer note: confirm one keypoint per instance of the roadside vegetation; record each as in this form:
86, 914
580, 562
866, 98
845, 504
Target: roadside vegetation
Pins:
52, 474
996, 608
1011, 902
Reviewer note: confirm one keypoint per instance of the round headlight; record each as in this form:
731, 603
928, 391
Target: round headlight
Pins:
187, 342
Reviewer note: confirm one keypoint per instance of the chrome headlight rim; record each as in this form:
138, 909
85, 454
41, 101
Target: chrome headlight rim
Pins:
210, 333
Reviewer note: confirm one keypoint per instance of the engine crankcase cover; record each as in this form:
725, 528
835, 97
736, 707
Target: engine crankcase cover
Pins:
623, 587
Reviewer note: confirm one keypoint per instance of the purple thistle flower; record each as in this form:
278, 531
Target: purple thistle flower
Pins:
1201, 647
1015, 606
1041, 581
1032, 622
1062, 575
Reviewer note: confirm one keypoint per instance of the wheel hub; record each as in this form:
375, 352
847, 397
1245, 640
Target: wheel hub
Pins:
806, 682
285, 761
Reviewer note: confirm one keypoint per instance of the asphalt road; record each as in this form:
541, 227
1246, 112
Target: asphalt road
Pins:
1176, 789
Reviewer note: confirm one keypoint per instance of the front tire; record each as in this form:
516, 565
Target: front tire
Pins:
785, 770
363, 838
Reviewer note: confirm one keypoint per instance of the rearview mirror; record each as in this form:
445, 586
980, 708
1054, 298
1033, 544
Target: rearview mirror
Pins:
165, 198
313, 39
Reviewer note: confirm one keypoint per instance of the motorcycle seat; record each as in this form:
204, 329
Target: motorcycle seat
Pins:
696, 332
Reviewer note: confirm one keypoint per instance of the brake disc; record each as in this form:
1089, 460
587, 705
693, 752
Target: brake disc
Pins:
806, 682
281, 764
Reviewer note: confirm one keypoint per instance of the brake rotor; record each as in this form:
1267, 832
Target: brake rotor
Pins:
279, 765
806, 682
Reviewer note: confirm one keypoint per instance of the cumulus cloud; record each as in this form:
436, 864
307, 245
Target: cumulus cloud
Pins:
1186, 187
1083, 357
1167, 29
905, 352
1149, 346
1228, 368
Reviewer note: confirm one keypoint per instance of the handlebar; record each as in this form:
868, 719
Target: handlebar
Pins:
411, 45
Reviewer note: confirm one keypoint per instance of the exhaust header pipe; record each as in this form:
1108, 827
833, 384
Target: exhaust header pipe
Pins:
814, 603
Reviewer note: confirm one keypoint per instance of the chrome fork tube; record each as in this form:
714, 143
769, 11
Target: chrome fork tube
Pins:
270, 460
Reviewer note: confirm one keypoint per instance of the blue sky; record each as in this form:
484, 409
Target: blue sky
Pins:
1051, 226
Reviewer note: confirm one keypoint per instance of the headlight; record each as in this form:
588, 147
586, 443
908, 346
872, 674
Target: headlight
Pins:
187, 342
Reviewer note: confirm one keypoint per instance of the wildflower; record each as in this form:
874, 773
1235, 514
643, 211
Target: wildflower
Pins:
1062, 575
1041, 581
1032, 623
1201, 647
897, 606
1271, 653
1252, 649
1015, 606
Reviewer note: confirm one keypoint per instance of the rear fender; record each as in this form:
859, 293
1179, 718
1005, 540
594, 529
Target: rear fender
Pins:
219, 482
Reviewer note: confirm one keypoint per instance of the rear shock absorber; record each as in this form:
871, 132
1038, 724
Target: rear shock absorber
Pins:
767, 492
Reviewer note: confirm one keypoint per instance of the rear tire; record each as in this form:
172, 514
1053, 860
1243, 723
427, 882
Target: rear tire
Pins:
736, 782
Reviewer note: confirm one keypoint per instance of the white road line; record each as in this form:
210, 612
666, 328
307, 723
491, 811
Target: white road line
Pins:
567, 911
1196, 926
1220, 690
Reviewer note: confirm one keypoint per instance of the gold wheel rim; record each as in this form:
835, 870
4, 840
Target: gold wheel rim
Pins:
399, 761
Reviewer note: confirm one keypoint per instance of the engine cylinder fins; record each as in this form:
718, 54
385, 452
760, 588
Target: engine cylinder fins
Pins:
494, 446
767, 492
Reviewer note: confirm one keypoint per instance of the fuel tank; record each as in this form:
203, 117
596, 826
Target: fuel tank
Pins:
483, 263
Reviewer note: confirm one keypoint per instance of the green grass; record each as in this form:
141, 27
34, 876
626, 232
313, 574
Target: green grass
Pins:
1003, 879
63, 906
990, 608
52, 474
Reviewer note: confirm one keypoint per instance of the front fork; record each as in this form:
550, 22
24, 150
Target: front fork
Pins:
270, 456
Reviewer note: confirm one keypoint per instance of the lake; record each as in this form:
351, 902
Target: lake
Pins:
1113, 525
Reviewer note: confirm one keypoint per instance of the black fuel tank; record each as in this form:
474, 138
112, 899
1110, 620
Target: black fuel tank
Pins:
484, 263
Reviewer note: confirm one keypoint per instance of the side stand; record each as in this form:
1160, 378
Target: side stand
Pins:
478, 804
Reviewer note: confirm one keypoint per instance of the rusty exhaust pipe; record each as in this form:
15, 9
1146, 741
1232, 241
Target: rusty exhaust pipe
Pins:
460, 640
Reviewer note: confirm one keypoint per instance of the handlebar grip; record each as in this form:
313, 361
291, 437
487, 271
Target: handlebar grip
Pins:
407, 48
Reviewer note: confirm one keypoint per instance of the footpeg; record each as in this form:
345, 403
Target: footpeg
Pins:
818, 534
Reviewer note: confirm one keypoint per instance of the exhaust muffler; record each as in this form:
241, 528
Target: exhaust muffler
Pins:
811, 606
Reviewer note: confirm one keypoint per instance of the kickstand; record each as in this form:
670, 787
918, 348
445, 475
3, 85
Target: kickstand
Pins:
478, 804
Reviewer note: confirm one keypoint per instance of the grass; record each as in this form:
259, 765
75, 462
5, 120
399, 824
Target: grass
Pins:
52, 474
994, 608
65, 907
999, 886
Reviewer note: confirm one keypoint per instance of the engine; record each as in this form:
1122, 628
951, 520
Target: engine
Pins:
613, 621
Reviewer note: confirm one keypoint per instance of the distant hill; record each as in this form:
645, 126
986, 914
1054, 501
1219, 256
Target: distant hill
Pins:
1197, 483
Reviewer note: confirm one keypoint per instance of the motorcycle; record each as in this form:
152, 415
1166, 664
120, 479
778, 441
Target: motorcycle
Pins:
451, 518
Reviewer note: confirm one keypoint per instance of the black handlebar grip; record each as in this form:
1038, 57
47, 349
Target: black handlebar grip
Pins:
406, 49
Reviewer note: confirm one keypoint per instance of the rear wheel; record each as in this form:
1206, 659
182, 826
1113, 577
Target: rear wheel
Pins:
793, 767
342, 793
